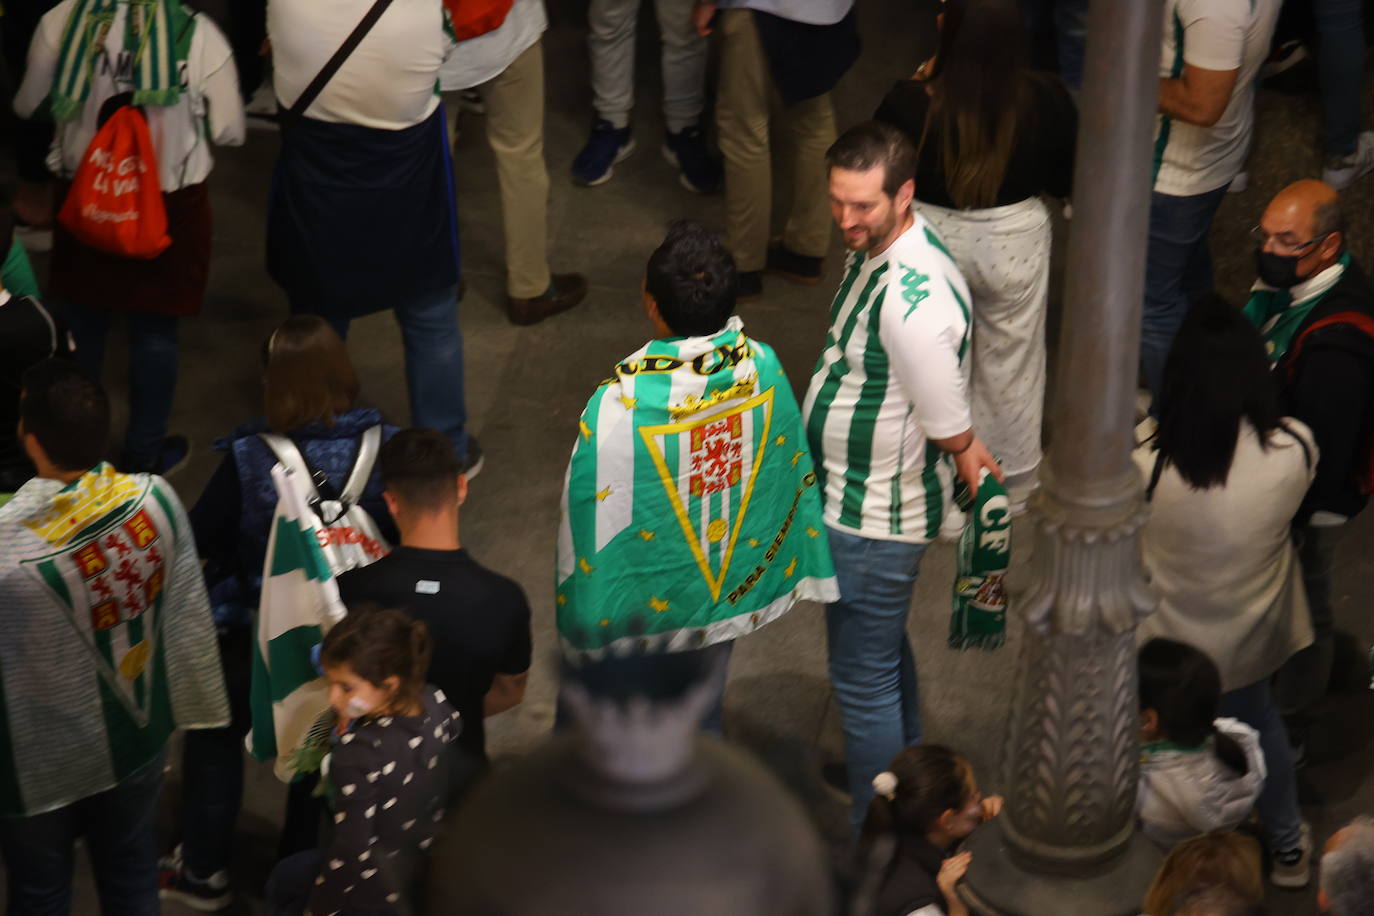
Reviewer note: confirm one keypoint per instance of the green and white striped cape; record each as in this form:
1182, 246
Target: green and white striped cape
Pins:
108, 640
690, 509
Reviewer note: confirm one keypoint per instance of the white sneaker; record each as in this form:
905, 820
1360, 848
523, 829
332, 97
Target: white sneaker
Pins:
1343, 171
1293, 867
261, 110
1240, 184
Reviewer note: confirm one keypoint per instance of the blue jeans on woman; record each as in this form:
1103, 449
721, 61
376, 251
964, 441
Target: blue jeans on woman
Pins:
152, 371
1340, 67
1278, 802
434, 362
1178, 272
118, 825
872, 668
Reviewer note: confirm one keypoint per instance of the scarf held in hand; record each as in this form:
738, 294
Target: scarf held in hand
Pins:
979, 620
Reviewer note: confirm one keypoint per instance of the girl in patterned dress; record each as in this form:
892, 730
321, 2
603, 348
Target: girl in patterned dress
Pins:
386, 771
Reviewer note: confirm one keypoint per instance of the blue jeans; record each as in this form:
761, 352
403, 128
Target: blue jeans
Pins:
152, 371
212, 766
118, 827
1069, 19
434, 363
1178, 272
1304, 679
872, 669
1278, 802
1340, 66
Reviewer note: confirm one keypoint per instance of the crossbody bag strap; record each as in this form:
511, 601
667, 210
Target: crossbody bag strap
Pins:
350, 44
368, 447
1306, 452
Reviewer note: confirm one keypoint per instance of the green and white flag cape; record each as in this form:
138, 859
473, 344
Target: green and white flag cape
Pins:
108, 643
690, 509
300, 602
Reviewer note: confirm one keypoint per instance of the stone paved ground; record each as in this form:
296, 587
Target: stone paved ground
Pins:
526, 387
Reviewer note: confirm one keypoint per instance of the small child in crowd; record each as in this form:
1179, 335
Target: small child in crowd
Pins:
926, 802
1198, 774
1222, 866
386, 771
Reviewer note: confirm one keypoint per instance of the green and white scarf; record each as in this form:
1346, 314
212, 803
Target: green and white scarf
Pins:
691, 514
979, 620
157, 35
1278, 317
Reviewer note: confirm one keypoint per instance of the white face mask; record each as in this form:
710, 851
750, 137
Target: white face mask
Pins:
357, 707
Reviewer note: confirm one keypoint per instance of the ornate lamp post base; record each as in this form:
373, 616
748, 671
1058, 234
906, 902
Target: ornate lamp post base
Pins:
1007, 888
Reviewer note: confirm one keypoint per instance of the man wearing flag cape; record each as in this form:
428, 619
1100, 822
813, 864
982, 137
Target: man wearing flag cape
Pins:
108, 648
690, 513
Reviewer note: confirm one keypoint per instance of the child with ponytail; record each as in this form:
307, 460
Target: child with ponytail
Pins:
386, 771
1198, 773
925, 803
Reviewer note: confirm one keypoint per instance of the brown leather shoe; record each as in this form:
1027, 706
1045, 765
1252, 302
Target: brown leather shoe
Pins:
568, 290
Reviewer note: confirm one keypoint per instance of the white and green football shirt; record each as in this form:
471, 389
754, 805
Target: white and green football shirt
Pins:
892, 377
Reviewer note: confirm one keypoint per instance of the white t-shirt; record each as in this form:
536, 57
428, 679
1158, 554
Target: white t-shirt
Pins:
473, 62
391, 79
1222, 559
892, 377
1213, 35
210, 110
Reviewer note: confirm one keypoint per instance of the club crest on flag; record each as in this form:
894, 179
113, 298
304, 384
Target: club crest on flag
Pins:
708, 466
110, 583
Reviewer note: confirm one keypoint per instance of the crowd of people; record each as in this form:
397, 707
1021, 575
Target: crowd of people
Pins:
702, 500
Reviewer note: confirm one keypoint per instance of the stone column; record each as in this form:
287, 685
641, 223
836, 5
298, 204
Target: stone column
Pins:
1065, 843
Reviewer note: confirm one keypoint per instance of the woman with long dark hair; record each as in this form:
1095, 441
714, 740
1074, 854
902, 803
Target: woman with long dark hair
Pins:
1225, 475
993, 136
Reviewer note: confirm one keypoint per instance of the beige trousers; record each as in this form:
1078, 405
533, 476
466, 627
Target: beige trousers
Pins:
515, 132
747, 108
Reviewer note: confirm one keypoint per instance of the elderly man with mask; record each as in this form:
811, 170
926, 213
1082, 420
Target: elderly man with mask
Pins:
1315, 308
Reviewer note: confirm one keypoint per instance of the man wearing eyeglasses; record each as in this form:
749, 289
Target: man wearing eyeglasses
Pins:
1315, 308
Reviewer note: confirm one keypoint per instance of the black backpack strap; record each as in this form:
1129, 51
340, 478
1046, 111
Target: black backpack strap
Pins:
350, 44
1154, 476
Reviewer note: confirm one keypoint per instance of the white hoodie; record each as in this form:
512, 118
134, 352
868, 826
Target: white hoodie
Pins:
1186, 793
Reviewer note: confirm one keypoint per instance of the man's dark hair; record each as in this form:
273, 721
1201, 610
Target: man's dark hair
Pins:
67, 412
871, 145
693, 280
420, 468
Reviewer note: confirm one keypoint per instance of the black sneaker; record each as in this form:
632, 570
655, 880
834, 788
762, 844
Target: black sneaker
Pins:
471, 100
176, 883
171, 457
698, 170
472, 462
607, 145
798, 268
750, 285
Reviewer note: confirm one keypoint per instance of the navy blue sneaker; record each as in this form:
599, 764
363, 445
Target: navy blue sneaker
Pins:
698, 170
606, 146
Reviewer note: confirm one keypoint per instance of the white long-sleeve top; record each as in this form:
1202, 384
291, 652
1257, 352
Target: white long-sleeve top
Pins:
210, 110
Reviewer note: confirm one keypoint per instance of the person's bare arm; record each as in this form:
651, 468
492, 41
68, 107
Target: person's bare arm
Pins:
970, 457
1198, 96
507, 691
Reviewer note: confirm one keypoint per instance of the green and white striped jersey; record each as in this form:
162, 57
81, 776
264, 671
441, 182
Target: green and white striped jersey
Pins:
892, 376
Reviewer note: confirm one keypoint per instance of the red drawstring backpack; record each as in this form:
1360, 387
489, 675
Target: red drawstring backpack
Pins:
115, 202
